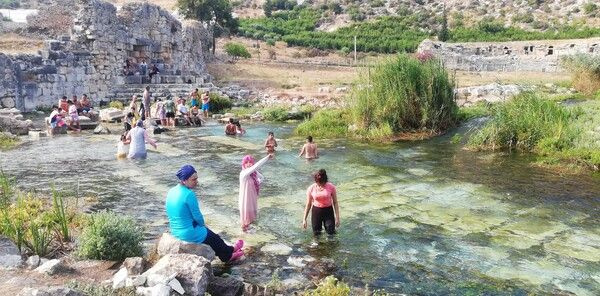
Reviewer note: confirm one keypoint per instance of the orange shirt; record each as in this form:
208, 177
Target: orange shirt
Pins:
322, 197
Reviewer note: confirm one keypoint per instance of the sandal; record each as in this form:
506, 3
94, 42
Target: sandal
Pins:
238, 245
236, 256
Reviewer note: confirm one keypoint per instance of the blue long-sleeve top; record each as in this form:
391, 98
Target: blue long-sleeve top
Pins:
185, 219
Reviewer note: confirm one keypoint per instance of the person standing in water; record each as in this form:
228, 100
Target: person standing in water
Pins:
321, 197
270, 143
137, 138
309, 150
186, 221
250, 181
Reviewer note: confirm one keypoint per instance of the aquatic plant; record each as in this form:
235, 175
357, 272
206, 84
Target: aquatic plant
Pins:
528, 122
277, 113
326, 123
108, 236
330, 286
219, 103
404, 94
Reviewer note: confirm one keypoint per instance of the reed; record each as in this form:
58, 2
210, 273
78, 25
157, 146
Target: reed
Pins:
326, 123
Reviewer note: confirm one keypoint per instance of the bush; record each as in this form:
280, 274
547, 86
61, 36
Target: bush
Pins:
116, 104
236, 50
404, 95
110, 237
527, 122
326, 123
330, 286
7, 142
585, 69
590, 8
219, 103
275, 114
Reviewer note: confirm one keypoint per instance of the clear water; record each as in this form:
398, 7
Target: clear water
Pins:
421, 218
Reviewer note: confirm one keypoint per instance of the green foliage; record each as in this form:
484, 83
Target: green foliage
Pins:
480, 109
6, 190
272, 5
326, 123
444, 34
404, 94
493, 31
60, 215
527, 122
108, 236
41, 238
276, 113
522, 18
585, 69
590, 8
206, 10
7, 142
116, 104
219, 103
236, 50
98, 290
330, 286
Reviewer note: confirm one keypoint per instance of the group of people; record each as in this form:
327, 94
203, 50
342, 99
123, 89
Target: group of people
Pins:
187, 223
66, 113
132, 68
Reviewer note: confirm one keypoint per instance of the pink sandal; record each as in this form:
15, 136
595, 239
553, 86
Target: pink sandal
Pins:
238, 245
236, 256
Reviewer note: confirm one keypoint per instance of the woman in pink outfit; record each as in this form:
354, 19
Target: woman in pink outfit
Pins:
250, 180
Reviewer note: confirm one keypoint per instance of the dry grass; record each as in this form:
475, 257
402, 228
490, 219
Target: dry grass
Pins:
15, 44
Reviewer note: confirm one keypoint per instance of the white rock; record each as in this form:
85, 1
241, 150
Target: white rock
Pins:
298, 261
33, 261
119, 278
50, 267
10, 261
175, 285
136, 281
277, 249
158, 290
134, 265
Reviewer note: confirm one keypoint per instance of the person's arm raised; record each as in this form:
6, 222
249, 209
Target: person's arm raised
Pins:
247, 171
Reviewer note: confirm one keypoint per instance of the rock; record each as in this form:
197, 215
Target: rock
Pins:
100, 129
217, 116
176, 286
36, 135
155, 279
158, 290
33, 261
299, 261
119, 279
226, 286
134, 265
51, 291
136, 281
341, 90
7, 102
111, 114
7, 247
168, 244
276, 249
227, 115
320, 268
14, 126
325, 89
10, 261
50, 267
193, 272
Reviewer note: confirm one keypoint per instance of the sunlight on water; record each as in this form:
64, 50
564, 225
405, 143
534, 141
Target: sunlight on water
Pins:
412, 214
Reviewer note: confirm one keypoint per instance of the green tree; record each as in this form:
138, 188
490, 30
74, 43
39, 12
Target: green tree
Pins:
444, 34
236, 50
209, 10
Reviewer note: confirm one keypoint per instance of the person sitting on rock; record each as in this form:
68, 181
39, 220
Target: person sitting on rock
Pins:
86, 104
63, 104
74, 122
183, 111
186, 221
196, 116
230, 128
77, 104
56, 120
153, 71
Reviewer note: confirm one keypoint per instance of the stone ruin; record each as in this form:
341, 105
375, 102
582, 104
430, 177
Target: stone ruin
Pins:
91, 59
534, 56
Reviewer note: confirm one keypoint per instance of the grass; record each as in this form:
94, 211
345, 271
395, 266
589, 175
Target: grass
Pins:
404, 94
480, 109
585, 69
7, 142
326, 123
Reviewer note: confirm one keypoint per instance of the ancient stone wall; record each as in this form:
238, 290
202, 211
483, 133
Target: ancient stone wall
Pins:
91, 59
537, 56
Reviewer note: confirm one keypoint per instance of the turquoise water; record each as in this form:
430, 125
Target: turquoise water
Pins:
421, 218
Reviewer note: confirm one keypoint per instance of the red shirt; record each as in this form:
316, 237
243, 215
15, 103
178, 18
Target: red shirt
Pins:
322, 198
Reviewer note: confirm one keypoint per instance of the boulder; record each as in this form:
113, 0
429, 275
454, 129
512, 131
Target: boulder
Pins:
111, 114
136, 281
10, 261
158, 290
15, 126
134, 265
193, 272
100, 129
225, 286
119, 279
51, 267
33, 261
168, 244
7, 247
7, 102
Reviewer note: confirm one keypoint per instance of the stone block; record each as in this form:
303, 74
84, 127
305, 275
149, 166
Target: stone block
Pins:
168, 244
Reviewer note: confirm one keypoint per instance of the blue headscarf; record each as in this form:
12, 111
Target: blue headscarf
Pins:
185, 172
140, 123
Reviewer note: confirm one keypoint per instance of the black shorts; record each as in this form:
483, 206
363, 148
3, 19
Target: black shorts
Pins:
323, 217
170, 115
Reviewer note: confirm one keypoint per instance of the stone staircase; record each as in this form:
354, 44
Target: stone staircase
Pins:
124, 92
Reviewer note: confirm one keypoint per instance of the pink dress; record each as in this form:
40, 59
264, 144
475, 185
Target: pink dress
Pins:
248, 198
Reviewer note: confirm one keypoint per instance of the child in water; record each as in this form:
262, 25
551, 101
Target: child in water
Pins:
270, 143
122, 147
